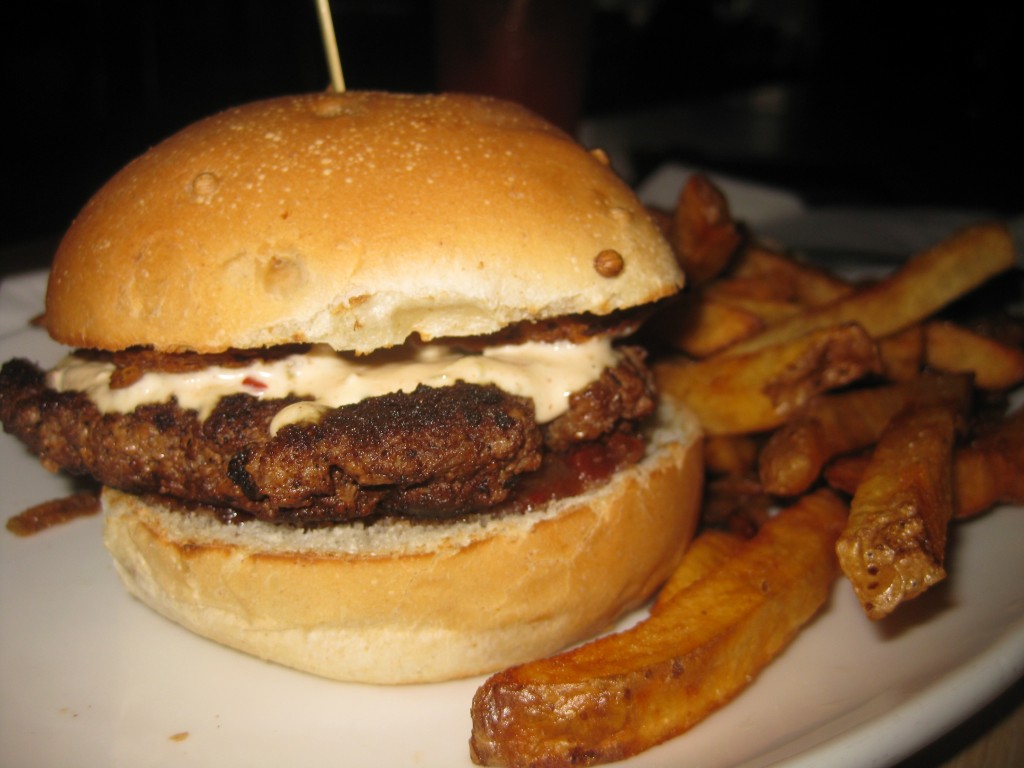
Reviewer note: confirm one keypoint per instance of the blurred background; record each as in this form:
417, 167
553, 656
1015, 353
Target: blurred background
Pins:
888, 103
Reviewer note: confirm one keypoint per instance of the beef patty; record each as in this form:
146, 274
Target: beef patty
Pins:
434, 452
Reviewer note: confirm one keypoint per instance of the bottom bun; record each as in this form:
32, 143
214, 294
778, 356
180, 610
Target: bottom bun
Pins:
404, 602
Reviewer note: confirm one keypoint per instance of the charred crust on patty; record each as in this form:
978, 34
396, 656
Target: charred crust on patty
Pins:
431, 453
241, 477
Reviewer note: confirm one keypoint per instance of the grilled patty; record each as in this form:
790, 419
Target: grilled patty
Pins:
434, 452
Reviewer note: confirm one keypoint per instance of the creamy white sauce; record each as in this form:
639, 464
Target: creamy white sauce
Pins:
545, 372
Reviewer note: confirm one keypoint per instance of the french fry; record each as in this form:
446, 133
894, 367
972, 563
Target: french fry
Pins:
703, 232
731, 454
775, 287
790, 279
923, 285
736, 503
757, 392
1002, 326
833, 424
624, 693
893, 547
727, 310
701, 326
902, 354
952, 347
768, 311
987, 471
844, 473
711, 550
990, 469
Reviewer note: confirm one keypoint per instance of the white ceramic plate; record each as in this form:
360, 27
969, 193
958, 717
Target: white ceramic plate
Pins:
89, 677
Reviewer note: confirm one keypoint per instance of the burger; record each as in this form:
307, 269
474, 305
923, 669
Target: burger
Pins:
356, 377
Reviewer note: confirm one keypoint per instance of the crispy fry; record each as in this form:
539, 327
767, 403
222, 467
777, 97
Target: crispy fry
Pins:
756, 392
703, 232
951, 347
924, 284
731, 454
736, 503
792, 458
829, 425
844, 473
902, 353
701, 326
1002, 325
790, 279
708, 552
707, 322
987, 471
990, 469
622, 694
894, 544
771, 287
768, 311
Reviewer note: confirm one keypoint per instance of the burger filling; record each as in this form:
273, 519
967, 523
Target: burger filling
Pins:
306, 436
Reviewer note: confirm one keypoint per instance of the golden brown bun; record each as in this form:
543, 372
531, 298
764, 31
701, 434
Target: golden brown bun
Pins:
354, 220
406, 603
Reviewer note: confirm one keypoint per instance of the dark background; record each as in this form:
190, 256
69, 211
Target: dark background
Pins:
884, 102
888, 103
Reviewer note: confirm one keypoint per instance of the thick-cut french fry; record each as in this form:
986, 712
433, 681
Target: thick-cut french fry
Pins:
1002, 326
790, 279
731, 308
703, 232
844, 473
990, 469
736, 503
768, 311
987, 471
951, 347
833, 424
924, 284
893, 547
902, 354
770, 288
704, 323
701, 326
731, 454
709, 551
756, 392
624, 693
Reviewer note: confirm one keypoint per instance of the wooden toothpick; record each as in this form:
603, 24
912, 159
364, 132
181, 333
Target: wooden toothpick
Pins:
330, 45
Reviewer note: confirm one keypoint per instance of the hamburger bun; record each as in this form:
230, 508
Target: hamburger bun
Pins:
403, 602
355, 220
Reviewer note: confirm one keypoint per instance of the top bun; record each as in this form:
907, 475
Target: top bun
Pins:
355, 220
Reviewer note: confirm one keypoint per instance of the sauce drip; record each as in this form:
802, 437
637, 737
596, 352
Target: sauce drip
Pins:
571, 474
54, 512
